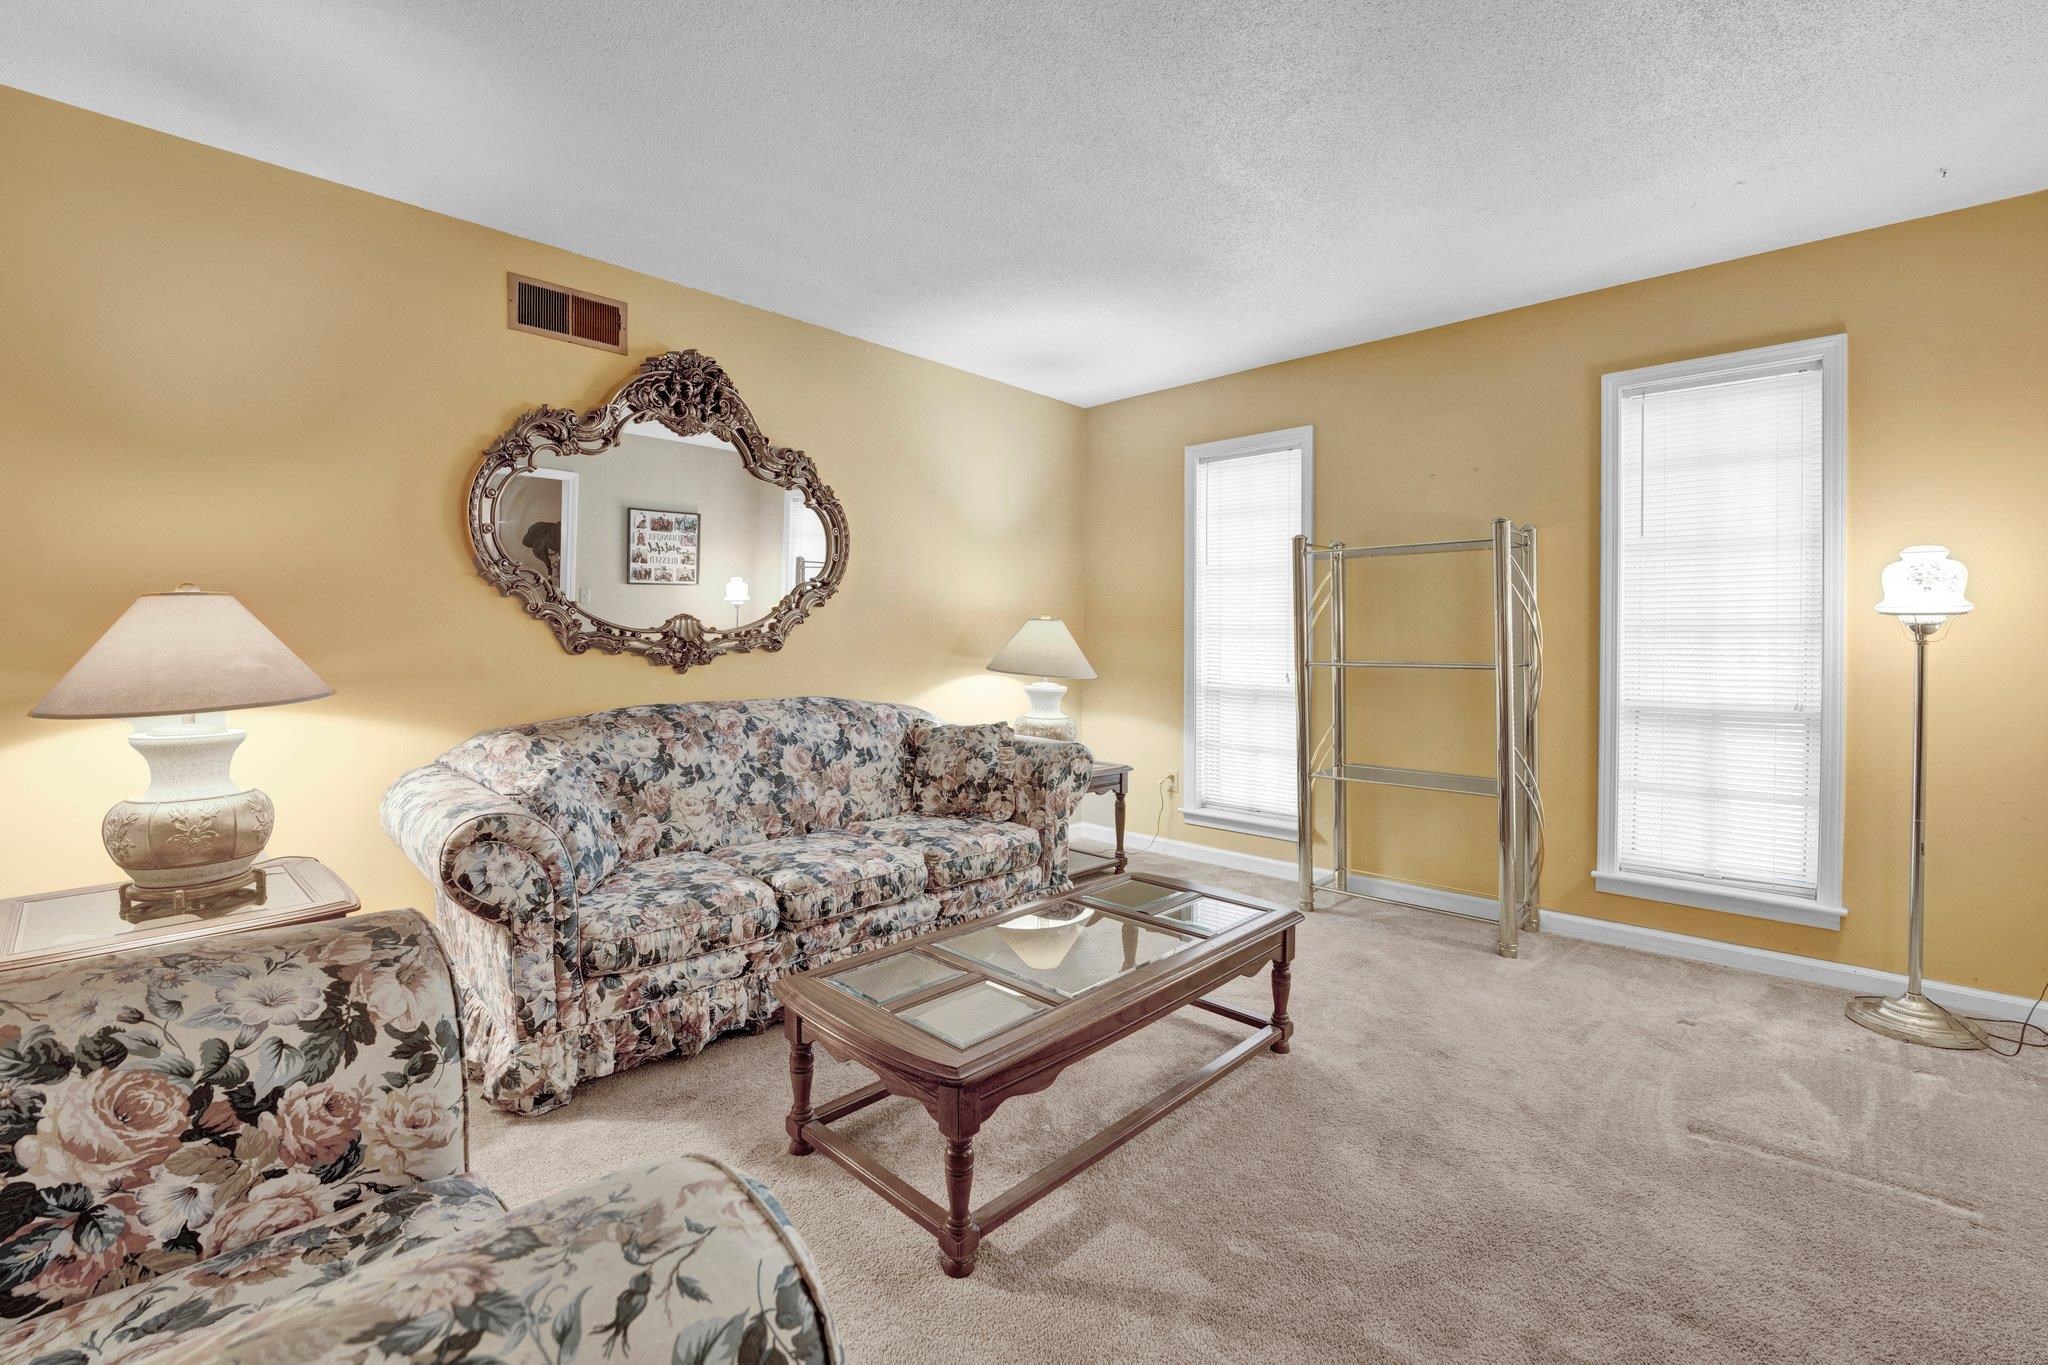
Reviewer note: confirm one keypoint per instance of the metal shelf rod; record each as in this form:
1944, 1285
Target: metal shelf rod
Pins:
1422, 547
1327, 886
1412, 777
1393, 663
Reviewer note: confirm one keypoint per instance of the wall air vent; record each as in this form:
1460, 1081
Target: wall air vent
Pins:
551, 310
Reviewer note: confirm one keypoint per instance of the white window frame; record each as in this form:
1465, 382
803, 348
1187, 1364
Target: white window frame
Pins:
1831, 354
1270, 442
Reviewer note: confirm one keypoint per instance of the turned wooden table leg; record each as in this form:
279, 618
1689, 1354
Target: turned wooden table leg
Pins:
1283, 983
957, 1244
800, 1112
1122, 862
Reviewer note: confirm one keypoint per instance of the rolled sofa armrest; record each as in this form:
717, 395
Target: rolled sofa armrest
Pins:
172, 1100
1051, 777
506, 892
485, 852
686, 1260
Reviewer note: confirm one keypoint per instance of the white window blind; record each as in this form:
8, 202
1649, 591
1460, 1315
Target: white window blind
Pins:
1723, 694
1245, 510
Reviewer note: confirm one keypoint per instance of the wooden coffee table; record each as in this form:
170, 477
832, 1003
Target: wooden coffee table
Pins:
964, 1018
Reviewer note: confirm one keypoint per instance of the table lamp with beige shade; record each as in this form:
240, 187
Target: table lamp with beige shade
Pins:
1044, 649
173, 665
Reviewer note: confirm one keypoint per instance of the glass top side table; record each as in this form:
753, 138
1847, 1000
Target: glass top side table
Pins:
1082, 864
85, 921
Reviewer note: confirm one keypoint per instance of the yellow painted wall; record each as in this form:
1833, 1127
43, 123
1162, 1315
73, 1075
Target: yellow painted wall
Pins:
1430, 435
217, 370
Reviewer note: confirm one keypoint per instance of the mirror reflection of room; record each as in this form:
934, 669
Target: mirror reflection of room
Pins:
661, 525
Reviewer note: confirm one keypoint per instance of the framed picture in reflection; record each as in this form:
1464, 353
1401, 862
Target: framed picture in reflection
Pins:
661, 547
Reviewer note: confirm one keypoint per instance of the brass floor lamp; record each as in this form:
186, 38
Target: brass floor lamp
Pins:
1923, 588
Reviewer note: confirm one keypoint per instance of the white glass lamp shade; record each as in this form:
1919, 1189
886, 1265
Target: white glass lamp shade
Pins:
1924, 587
736, 593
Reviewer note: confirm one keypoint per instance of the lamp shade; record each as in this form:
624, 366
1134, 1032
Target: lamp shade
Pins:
1044, 648
183, 652
736, 591
1924, 587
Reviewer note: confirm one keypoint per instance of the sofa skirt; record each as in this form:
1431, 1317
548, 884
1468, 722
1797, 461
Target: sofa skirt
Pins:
676, 1009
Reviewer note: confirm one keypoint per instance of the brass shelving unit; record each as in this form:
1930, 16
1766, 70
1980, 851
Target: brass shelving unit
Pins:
1324, 761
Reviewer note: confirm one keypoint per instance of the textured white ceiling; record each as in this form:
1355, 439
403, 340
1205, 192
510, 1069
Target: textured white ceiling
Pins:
1104, 197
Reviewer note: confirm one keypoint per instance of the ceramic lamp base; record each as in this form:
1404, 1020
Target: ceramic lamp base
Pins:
1045, 720
194, 835
1035, 728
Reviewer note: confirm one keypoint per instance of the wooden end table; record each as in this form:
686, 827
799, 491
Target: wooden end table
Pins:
85, 921
965, 1018
1114, 778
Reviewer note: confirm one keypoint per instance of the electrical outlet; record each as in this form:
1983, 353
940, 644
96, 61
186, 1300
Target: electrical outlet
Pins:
1172, 783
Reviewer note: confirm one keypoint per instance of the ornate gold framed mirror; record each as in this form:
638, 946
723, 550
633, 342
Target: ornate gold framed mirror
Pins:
646, 524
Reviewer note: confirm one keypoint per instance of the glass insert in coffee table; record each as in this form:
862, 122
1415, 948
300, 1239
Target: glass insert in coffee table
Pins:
975, 985
1207, 914
1134, 894
886, 980
978, 1010
1068, 949
1181, 907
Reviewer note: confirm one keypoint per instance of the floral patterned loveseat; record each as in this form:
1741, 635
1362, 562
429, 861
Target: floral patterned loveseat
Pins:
628, 885
255, 1150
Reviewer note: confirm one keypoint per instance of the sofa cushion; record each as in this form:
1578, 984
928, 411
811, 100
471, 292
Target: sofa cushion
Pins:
824, 943
958, 904
957, 851
200, 1293
964, 770
818, 876
801, 946
669, 908
637, 988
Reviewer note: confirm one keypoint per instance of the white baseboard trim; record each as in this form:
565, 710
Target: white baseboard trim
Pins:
1104, 837
1840, 976
1429, 897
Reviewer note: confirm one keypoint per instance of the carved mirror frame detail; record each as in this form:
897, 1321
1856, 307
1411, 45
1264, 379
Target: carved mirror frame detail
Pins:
689, 393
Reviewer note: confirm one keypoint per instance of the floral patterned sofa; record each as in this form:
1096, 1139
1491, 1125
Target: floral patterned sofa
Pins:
255, 1150
628, 885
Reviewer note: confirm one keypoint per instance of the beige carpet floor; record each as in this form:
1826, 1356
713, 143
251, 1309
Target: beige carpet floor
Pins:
1586, 1154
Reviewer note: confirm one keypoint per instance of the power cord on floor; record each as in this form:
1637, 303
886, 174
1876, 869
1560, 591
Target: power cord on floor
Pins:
2026, 1036
1158, 826
1158, 820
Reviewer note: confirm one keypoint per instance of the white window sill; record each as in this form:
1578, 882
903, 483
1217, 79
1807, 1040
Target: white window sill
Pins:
1756, 904
1237, 822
